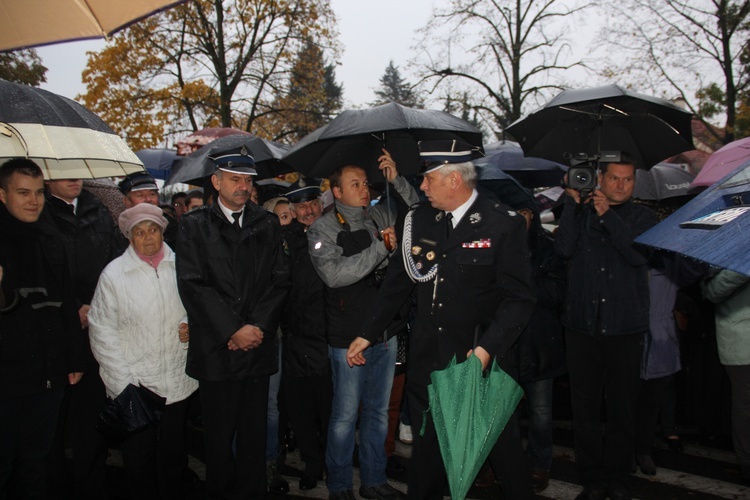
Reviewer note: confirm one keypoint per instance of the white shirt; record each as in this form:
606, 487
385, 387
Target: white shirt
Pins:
461, 211
228, 213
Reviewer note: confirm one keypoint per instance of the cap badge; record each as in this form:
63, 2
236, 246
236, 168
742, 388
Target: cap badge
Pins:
430, 255
416, 250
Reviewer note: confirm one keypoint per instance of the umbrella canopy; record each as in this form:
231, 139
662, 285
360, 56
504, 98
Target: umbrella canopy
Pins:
663, 180
470, 411
195, 167
65, 139
605, 118
158, 161
200, 138
713, 227
357, 136
723, 162
507, 156
29, 23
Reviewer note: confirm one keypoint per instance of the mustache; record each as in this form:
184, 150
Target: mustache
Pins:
241, 192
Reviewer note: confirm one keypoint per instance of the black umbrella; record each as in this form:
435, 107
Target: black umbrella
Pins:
357, 136
663, 180
65, 139
508, 157
604, 119
196, 166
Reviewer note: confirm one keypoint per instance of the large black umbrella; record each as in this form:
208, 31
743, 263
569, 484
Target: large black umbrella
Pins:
65, 139
357, 136
605, 118
196, 166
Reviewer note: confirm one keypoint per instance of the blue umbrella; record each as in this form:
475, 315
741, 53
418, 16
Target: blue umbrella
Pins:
713, 227
158, 161
508, 157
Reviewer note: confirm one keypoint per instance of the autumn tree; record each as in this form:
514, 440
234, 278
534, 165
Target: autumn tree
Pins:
694, 50
203, 63
505, 53
393, 88
22, 66
312, 99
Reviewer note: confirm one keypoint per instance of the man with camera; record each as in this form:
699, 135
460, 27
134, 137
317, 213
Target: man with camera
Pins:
349, 247
606, 315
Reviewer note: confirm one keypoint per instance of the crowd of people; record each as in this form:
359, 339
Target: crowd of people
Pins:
246, 312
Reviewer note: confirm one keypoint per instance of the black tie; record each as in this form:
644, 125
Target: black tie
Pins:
236, 216
72, 208
448, 223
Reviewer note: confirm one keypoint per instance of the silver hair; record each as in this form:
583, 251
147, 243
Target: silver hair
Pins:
466, 170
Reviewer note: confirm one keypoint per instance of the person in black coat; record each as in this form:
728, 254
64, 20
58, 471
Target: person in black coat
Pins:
471, 275
307, 370
91, 242
233, 279
41, 344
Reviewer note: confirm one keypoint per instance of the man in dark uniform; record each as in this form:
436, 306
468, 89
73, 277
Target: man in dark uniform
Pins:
140, 187
467, 256
233, 280
306, 368
91, 242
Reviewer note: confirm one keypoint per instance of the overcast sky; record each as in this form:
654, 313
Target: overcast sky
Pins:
372, 34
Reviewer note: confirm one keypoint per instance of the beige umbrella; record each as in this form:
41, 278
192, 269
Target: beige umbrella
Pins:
64, 138
29, 23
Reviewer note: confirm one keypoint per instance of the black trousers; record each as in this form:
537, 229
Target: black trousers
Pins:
27, 429
427, 477
77, 430
651, 395
155, 458
604, 366
308, 403
234, 429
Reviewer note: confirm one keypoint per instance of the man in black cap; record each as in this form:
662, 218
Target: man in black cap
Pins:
307, 371
233, 279
140, 187
467, 256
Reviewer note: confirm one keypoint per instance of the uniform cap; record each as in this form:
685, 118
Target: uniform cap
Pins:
235, 160
435, 154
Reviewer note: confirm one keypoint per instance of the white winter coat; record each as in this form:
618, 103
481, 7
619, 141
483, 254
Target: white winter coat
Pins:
133, 327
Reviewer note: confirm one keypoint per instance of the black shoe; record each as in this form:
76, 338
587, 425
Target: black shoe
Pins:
675, 444
380, 492
618, 491
593, 491
394, 466
276, 483
539, 480
307, 483
647, 465
342, 495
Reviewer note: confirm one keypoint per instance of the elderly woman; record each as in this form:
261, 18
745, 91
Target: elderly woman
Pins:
139, 336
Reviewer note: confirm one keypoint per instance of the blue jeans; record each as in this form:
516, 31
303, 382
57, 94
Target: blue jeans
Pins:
539, 404
273, 450
370, 386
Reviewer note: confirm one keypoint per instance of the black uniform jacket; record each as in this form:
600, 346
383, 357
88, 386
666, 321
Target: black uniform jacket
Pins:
303, 323
483, 280
229, 278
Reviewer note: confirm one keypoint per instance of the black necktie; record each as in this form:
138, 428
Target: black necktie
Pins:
448, 223
236, 216
72, 208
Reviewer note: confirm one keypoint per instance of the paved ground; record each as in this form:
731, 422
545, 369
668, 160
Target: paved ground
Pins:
701, 472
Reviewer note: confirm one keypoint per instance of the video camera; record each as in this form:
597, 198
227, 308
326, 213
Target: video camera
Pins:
584, 169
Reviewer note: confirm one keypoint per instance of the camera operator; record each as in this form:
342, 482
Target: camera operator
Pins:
606, 316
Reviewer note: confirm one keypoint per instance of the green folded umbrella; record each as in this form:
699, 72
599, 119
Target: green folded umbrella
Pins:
470, 409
